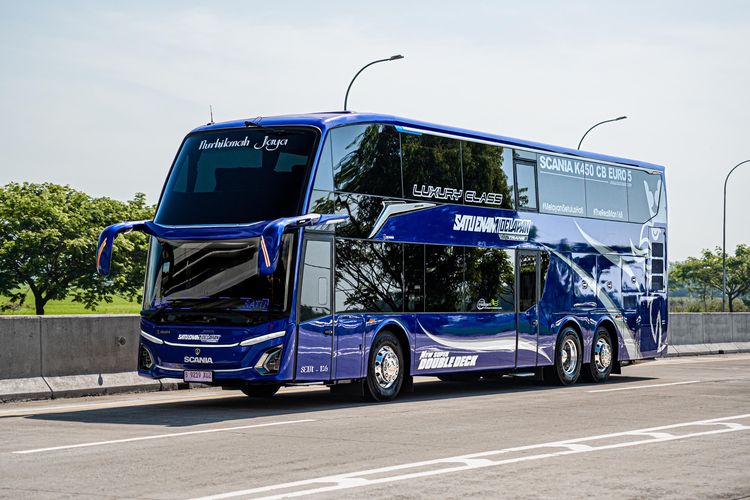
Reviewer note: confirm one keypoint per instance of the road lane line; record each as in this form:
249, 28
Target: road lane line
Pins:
635, 387
479, 460
161, 436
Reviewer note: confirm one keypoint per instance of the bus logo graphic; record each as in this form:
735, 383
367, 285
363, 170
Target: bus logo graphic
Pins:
492, 304
271, 144
506, 228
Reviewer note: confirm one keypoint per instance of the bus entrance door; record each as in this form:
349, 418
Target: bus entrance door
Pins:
527, 305
315, 313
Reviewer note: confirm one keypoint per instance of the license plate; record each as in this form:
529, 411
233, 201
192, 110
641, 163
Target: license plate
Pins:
198, 376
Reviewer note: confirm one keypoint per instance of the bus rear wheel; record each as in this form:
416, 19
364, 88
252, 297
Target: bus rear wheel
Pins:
568, 357
260, 391
601, 358
385, 371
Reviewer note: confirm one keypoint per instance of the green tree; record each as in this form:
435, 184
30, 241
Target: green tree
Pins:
702, 276
48, 238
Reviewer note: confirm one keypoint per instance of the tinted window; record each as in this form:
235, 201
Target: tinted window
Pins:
432, 167
324, 174
526, 182
643, 195
366, 159
526, 282
237, 176
607, 192
444, 276
487, 175
368, 276
489, 280
315, 295
215, 277
413, 278
562, 188
363, 212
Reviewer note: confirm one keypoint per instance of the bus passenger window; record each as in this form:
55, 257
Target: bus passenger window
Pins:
526, 182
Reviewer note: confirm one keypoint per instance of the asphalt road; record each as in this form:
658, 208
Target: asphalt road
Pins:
677, 428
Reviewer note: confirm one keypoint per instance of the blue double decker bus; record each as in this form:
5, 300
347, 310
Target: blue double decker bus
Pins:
360, 250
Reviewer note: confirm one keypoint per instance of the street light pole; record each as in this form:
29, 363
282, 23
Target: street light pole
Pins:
600, 123
724, 241
392, 58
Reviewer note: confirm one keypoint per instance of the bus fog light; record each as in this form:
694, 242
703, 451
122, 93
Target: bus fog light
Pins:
145, 359
269, 362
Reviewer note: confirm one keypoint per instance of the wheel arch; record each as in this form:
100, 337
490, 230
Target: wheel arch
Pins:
399, 330
572, 322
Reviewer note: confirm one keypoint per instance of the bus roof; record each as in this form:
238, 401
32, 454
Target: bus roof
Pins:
326, 120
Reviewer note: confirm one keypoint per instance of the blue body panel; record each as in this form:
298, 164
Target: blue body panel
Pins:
599, 263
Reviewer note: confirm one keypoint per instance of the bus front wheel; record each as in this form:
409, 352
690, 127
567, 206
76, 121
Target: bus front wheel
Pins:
260, 391
385, 371
568, 358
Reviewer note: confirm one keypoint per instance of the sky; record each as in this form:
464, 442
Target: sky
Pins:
99, 95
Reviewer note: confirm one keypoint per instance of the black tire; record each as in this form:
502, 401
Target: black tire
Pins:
384, 378
260, 391
602, 360
466, 378
568, 358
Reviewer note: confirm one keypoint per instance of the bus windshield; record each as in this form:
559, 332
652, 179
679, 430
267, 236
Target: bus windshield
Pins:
238, 176
186, 279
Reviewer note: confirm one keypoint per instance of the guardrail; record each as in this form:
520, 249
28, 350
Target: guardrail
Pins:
55, 356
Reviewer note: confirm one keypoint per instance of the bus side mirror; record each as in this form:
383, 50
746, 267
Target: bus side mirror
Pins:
270, 240
107, 240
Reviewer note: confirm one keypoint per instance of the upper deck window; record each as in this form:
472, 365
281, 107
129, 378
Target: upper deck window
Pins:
237, 176
579, 187
366, 160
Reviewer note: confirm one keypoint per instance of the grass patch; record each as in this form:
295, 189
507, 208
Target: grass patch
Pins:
119, 305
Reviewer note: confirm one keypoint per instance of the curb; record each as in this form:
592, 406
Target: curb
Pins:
22, 389
19, 389
703, 349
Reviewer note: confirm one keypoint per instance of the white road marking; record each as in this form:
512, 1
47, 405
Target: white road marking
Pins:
161, 436
691, 360
635, 387
480, 460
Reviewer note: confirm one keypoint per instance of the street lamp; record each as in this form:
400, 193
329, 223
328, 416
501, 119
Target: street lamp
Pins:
600, 123
392, 58
724, 242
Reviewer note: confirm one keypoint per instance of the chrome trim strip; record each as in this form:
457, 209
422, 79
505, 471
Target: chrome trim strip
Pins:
169, 369
234, 370
174, 344
155, 340
207, 368
263, 338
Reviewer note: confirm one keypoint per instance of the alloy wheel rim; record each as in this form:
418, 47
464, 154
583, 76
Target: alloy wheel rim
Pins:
386, 367
569, 356
602, 355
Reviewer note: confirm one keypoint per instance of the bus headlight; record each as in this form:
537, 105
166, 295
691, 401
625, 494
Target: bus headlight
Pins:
145, 359
269, 362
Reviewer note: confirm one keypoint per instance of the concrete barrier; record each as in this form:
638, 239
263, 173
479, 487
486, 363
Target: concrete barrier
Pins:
708, 333
91, 354
74, 355
55, 356
72, 345
21, 359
